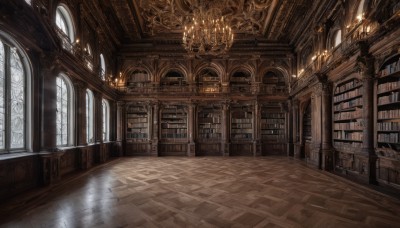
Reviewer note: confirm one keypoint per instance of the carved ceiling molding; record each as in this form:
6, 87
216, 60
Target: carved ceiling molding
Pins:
166, 16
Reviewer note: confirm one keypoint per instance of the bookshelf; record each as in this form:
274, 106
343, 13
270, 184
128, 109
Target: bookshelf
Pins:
209, 130
208, 81
242, 125
307, 136
347, 116
240, 82
273, 83
209, 124
272, 126
137, 78
173, 123
388, 105
137, 130
137, 126
173, 78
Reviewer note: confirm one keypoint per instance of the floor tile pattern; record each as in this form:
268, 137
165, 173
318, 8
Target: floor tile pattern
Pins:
206, 192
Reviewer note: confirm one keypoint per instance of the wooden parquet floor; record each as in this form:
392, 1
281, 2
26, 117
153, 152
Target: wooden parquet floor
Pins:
206, 192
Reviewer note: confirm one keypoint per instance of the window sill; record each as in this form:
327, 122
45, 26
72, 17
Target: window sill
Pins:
15, 155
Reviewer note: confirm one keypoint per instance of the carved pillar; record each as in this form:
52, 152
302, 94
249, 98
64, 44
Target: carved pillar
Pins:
366, 160
256, 129
98, 117
225, 129
155, 133
289, 129
120, 128
326, 152
191, 127
80, 115
296, 136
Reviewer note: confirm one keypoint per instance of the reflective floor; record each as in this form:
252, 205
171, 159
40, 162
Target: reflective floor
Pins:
205, 192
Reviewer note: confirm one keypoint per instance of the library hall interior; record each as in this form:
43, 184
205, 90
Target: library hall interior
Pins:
200, 113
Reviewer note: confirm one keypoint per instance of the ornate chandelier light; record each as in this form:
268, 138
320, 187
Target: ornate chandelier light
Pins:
207, 32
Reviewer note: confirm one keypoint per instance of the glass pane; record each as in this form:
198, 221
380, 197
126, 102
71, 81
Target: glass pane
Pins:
62, 112
61, 23
89, 116
2, 108
17, 99
104, 121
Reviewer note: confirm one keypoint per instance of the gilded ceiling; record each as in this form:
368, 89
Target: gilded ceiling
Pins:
166, 16
275, 20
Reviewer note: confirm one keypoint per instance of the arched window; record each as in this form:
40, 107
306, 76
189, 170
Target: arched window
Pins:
360, 10
14, 102
89, 116
102, 68
337, 38
29, 2
106, 120
65, 110
65, 25
89, 57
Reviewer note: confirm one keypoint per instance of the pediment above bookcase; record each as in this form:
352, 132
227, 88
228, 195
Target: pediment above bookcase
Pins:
389, 66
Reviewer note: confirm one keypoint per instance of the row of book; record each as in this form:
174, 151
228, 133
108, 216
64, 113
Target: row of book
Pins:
136, 130
242, 136
388, 126
239, 121
172, 116
241, 125
347, 86
136, 135
173, 125
271, 121
137, 125
388, 86
173, 131
273, 126
273, 132
240, 131
391, 98
137, 120
389, 138
173, 136
139, 77
210, 78
210, 135
210, 120
348, 115
273, 115
136, 109
348, 104
347, 95
389, 114
136, 115
274, 138
210, 130
209, 125
390, 69
348, 126
347, 144
348, 135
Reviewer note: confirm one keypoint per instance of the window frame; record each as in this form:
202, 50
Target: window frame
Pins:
71, 110
65, 14
89, 98
105, 120
9, 43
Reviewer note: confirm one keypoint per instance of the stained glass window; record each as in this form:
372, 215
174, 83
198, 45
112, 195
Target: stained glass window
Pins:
63, 97
102, 67
61, 22
2, 108
89, 116
106, 120
13, 120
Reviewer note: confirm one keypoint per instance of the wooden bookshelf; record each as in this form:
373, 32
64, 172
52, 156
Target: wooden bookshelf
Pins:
137, 125
173, 123
240, 82
272, 129
242, 125
347, 115
209, 130
307, 118
173, 78
137, 78
209, 124
208, 81
388, 105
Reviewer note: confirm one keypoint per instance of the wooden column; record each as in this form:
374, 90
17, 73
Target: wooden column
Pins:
289, 128
296, 136
80, 115
326, 152
49, 111
120, 128
366, 160
256, 129
154, 124
191, 127
225, 129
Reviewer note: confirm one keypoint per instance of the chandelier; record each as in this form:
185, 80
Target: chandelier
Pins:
207, 32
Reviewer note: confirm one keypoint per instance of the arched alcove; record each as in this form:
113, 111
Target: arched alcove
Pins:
173, 78
208, 81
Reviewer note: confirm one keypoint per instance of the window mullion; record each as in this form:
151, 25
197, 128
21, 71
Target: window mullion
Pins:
7, 97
